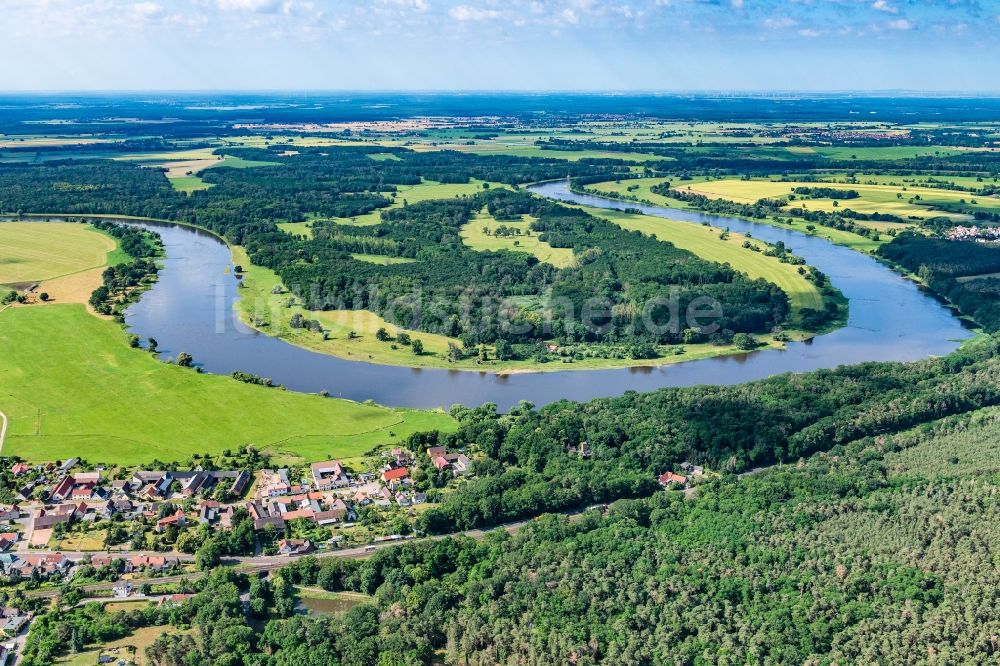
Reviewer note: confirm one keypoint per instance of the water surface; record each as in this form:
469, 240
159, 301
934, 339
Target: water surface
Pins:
191, 309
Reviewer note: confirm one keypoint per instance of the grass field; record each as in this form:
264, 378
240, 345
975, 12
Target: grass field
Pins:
257, 302
74, 541
182, 166
474, 236
132, 647
38, 251
322, 602
382, 260
705, 242
409, 194
69, 385
638, 188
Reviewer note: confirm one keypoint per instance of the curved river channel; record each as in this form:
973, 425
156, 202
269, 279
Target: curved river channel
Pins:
191, 309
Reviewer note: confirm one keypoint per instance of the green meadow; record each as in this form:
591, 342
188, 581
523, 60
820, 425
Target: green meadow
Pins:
707, 244
69, 383
474, 234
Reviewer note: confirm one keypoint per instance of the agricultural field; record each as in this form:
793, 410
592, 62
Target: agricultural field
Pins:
65, 258
903, 201
474, 234
182, 167
43, 141
182, 412
504, 147
706, 243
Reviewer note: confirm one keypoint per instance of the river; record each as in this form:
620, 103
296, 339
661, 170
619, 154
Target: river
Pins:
191, 309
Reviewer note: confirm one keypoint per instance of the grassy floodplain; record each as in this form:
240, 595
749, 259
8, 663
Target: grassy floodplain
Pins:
404, 194
474, 235
706, 243
270, 313
903, 201
643, 193
70, 383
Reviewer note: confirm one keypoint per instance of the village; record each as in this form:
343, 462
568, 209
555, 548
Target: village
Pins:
132, 531
62, 512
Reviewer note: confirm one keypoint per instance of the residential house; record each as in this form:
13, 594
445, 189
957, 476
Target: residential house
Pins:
7, 539
69, 464
396, 476
12, 621
273, 484
668, 478
177, 519
88, 477
63, 489
209, 512
173, 599
692, 469
20, 469
122, 589
240, 484
435, 451
329, 474
150, 562
195, 483
295, 546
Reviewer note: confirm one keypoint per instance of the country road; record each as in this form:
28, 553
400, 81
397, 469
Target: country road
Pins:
265, 563
3, 430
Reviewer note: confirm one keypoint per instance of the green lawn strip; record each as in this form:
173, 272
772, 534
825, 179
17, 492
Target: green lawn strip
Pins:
382, 260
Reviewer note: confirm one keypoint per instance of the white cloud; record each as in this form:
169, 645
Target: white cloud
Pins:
884, 6
737, 4
809, 32
147, 10
467, 13
900, 24
569, 16
779, 23
256, 6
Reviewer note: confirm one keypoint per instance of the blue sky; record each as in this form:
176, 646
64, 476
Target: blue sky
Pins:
933, 45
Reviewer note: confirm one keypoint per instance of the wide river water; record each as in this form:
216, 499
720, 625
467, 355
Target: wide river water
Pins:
191, 309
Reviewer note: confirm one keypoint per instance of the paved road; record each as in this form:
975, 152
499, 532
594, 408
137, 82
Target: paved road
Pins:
264, 563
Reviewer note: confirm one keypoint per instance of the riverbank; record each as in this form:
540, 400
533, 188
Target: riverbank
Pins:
619, 192
267, 306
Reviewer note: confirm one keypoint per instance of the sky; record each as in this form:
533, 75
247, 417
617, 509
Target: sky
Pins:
669, 45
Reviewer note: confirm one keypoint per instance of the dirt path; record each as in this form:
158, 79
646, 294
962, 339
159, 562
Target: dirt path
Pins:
3, 430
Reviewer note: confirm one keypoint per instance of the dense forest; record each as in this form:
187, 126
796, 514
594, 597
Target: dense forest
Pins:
480, 297
880, 550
